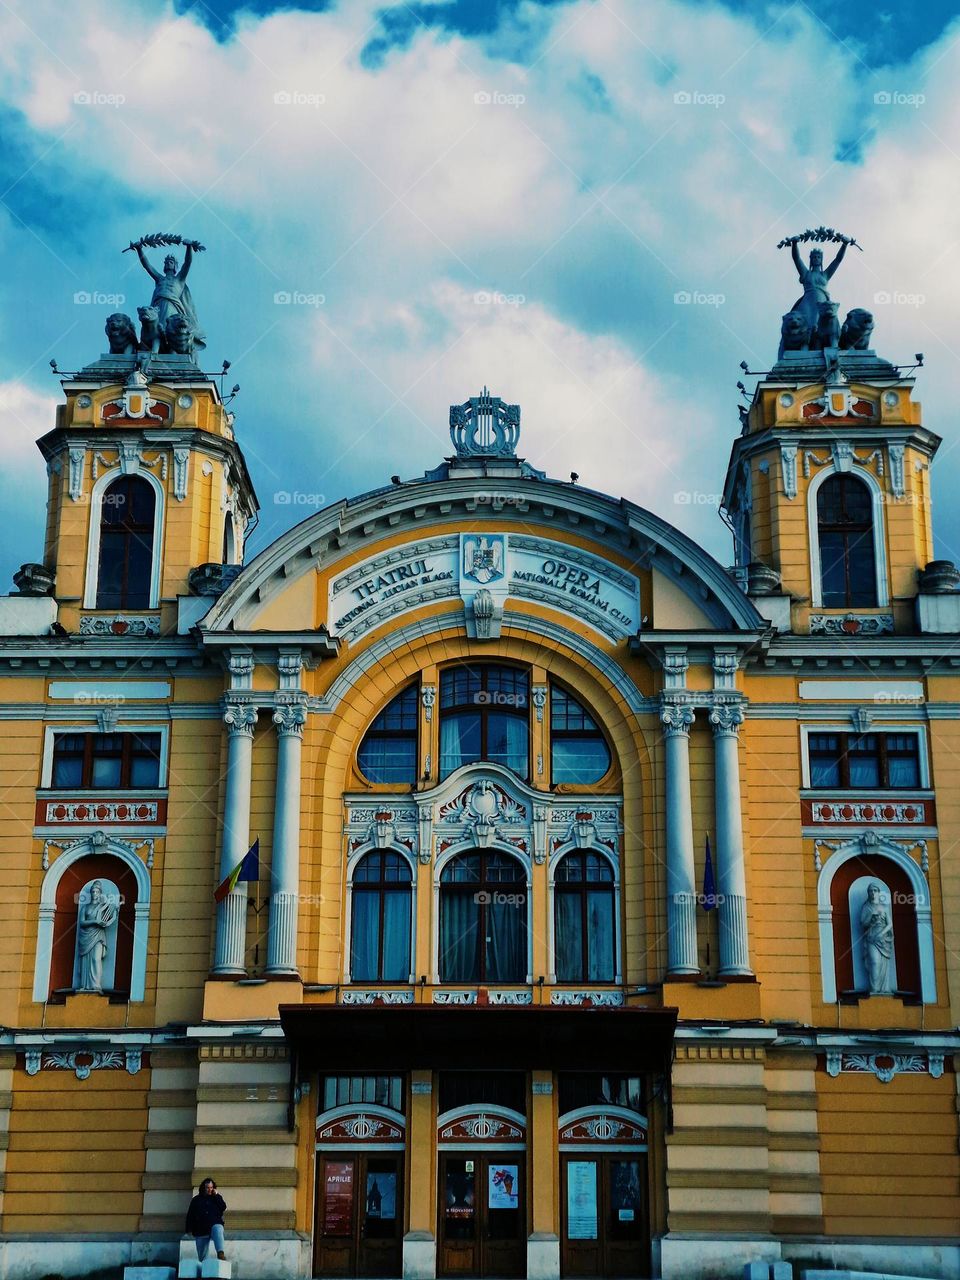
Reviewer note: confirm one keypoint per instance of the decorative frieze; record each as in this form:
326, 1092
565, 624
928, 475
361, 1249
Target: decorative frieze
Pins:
851, 624
82, 1062
96, 842
361, 1126
120, 624
864, 812
885, 1065
376, 997
601, 999
602, 1127
480, 1126
55, 813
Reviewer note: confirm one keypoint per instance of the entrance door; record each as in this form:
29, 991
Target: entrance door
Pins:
605, 1215
359, 1214
483, 1219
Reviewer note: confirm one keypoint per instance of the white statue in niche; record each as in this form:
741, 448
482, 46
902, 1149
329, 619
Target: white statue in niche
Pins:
874, 963
96, 954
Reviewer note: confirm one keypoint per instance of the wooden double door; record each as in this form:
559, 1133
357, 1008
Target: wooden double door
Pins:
605, 1226
359, 1229
483, 1214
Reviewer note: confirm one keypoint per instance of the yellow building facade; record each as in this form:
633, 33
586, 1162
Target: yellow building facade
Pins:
606, 917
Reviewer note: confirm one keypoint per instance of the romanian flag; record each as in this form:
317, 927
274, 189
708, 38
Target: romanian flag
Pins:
709, 899
248, 868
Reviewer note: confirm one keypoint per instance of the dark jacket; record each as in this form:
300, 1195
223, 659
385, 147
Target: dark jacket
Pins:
204, 1212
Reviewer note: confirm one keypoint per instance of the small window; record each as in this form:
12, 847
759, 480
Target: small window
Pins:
864, 761
388, 752
845, 532
578, 750
577, 1089
584, 919
484, 715
382, 1091
106, 761
126, 544
380, 934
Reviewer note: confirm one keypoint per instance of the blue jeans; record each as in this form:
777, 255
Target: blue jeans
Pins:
203, 1242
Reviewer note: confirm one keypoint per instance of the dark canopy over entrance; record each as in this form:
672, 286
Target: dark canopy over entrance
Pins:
409, 1037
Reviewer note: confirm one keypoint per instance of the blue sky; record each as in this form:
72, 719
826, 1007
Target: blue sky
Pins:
456, 194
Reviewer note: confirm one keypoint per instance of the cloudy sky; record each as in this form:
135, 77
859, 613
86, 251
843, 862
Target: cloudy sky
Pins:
404, 202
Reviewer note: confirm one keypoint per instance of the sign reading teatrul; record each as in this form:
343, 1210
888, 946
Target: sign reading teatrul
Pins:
508, 565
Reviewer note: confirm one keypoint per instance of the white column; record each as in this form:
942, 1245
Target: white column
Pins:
285, 868
677, 717
230, 950
731, 876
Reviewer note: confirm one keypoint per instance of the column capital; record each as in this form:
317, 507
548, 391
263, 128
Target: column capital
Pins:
290, 717
240, 718
676, 718
726, 718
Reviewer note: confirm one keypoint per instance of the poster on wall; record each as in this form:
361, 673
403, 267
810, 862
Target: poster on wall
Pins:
625, 1191
338, 1199
459, 1192
582, 1200
381, 1195
504, 1186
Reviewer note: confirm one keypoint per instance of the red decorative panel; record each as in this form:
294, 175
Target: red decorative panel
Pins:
601, 1127
129, 811
359, 1126
862, 811
481, 1126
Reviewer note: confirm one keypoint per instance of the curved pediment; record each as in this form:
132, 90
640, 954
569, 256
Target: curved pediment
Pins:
578, 552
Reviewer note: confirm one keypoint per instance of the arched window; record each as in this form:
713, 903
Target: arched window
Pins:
126, 544
380, 919
578, 750
483, 919
845, 533
584, 919
484, 715
388, 752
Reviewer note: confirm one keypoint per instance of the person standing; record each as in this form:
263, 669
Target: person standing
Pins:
205, 1219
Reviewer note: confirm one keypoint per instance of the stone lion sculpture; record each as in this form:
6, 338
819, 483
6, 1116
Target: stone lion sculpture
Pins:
857, 330
150, 332
794, 333
121, 334
180, 336
828, 325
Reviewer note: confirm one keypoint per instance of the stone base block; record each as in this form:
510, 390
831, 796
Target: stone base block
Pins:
149, 1273
756, 1271
781, 1271
214, 1268
189, 1268
543, 1256
419, 1256
703, 1258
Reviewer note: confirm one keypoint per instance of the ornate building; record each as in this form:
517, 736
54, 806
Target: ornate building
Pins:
488, 1011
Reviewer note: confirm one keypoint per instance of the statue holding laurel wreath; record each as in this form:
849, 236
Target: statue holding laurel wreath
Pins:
171, 322
811, 323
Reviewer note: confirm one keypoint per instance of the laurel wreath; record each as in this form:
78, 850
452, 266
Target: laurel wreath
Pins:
161, 240
823, 235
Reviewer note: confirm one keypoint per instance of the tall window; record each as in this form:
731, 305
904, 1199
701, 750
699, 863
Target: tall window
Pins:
578, 750
484, 715
126, 544
864, 760
115, 760
388, 752
483, 919
584, 919
380, 941
845, 530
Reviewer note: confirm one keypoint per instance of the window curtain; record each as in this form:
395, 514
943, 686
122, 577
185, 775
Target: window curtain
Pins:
459, 741
569, 943
365, 940
396, 935
600, 936
507, 742
459, 922
507, 936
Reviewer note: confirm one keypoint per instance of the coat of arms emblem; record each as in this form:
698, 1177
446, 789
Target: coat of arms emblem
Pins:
483, 557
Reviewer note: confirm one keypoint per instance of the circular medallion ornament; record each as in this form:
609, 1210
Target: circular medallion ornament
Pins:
891, 399
786, 400
184, 401
84, 401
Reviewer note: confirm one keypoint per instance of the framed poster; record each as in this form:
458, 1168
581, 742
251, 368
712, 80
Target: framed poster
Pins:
458, 1194
381, 1195
338, 1198
503, 1186
582, 1200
